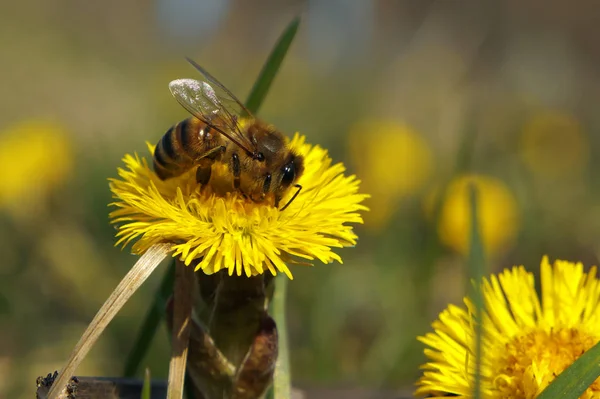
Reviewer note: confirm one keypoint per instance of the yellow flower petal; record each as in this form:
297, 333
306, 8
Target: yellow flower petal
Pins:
526, 342
498, 213
35, 157
554, 145
229, 232
394, 161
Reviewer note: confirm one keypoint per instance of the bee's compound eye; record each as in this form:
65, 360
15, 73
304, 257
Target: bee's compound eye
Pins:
289, 174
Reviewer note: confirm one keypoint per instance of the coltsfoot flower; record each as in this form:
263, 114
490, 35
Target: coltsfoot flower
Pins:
498, 213
549, 135
405, 148
231, 232
36, 157
527, 340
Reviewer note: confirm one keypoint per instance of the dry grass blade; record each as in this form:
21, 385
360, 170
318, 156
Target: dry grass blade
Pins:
142, 269
183, 300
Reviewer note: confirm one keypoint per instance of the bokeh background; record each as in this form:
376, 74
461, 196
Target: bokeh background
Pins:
419, 98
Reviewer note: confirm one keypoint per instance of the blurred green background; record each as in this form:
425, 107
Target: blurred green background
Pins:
418, 98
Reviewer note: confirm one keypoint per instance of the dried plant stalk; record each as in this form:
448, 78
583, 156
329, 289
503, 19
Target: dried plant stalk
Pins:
183, 300
142, 269
104, 388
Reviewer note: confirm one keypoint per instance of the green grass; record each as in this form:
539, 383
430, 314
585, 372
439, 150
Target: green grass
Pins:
572, 382
476, 271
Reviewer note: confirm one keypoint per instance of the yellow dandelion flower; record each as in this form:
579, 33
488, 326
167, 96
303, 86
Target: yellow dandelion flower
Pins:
35, 157
526, 341
233, 233
497, 213
554, 144
394, 162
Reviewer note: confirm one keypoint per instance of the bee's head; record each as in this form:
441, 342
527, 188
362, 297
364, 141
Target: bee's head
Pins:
278, 167
283, 174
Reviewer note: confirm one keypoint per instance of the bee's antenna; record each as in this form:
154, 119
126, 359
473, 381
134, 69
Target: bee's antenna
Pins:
293, 197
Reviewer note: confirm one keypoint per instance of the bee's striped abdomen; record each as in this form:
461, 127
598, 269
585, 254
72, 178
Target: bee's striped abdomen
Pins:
172, 154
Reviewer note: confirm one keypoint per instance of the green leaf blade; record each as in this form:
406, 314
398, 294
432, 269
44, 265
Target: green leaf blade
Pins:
282, 386
573, 382
271, 67
476, 264
147, 384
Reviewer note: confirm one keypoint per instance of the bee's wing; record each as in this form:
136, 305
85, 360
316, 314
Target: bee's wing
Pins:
202, 101
222, 92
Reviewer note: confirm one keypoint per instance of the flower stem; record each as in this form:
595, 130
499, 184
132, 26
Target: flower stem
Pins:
281, 380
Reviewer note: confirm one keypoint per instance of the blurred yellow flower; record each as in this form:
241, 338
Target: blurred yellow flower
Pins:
232, 232
527, 340
497, 213
393, 160
35, 157
553, 144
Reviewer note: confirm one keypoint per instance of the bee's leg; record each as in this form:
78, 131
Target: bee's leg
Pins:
203, 171
212, 154
299, 187
205, 165
266, 185
237, 170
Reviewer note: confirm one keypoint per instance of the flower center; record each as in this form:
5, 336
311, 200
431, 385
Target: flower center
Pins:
532, 361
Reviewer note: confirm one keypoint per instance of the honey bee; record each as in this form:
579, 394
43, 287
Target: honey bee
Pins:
257, 155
